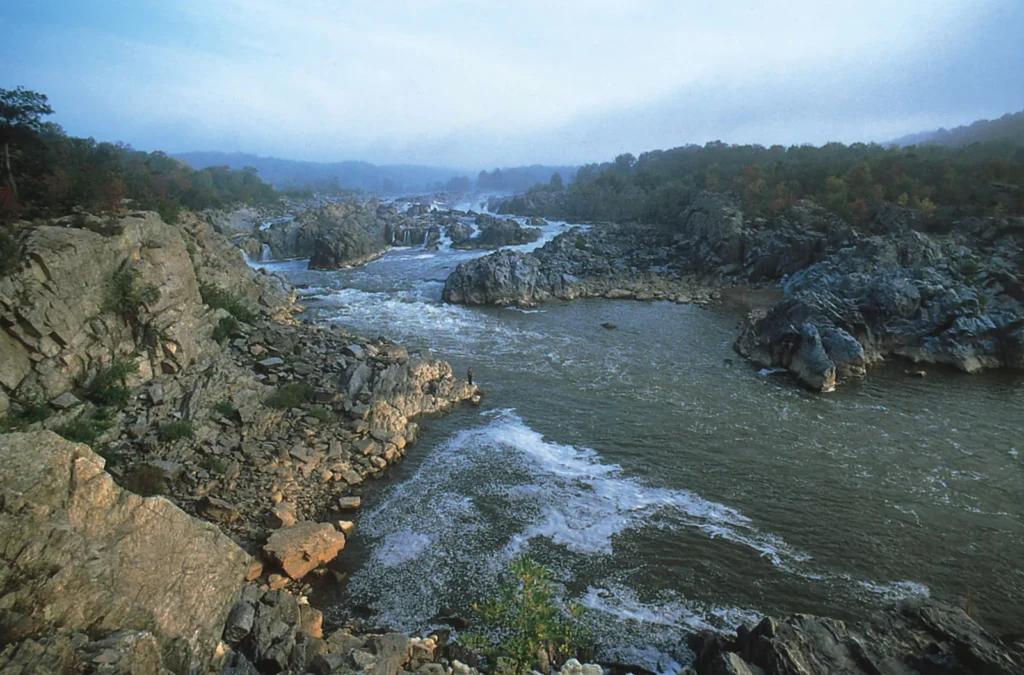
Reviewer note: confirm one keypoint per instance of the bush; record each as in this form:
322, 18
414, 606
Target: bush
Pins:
321, 413
218, 298
31, 411
11, 253
523, 619
291, 396
175, 430
87, 427
126, 297
214, 464
226, 409
227, 327
107, 387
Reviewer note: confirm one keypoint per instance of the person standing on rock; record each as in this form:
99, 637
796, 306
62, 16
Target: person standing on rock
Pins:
469, 376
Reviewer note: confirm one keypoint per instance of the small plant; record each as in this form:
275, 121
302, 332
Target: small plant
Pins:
226, 409
87, 427
11, 253
107, 387
214, 464
30, 412
225, 328
126, 297
290, 396
175, 430
321, 413
523, 622
218, 298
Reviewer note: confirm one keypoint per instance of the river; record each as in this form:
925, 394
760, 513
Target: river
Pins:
668, 484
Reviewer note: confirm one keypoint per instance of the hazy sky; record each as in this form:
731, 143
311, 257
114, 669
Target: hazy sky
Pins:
480, 83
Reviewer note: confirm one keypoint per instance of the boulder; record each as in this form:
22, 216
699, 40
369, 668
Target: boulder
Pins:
79, 553
303, 547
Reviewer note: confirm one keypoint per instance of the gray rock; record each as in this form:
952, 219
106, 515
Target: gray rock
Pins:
65, 401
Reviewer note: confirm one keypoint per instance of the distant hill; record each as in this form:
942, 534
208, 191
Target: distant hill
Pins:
1009, 128
284, 174
350, 175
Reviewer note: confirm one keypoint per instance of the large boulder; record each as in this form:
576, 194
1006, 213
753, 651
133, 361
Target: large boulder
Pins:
301, 548
503, 278
78, 553
915, 637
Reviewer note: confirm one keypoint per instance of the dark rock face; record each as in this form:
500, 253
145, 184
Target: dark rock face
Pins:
917, 636
81, 554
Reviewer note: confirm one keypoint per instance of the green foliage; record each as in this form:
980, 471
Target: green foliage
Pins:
107, 388
979, 179
226, 409
523, 619
56, 172
30, 412
225, 328
88, 426
291, 395
175, 430
214, 464
321, 413
126, 297
11, 253
219, 298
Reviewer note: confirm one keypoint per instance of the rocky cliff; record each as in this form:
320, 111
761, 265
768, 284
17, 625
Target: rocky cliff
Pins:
851, 296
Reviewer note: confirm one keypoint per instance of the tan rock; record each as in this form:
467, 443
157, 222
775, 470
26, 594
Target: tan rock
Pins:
301, 548
90, 556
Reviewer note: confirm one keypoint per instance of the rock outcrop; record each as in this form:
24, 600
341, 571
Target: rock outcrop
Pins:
852, 296
493, 233
610, 261
80, 554
915, 637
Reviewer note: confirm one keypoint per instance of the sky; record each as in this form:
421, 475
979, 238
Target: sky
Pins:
483, 83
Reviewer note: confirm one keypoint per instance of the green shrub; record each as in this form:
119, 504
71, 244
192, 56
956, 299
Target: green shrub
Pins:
175, 430
88, 426
291, 396
218, 298
321, 413
11, 253
226, 327
30, 412
126, 297
214, 464
523, 619
107, 387
226, 409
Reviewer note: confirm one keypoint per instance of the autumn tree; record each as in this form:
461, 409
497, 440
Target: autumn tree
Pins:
21, 113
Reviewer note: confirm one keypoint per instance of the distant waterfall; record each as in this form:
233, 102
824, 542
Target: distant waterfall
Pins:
407, 238
426, 238
265, 255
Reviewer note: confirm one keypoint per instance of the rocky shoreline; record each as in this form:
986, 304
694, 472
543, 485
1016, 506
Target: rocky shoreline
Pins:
904, 285
228, 477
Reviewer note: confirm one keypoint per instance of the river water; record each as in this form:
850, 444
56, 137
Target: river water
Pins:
668, 484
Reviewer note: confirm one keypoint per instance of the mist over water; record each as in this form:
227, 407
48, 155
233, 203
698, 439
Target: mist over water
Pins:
669, 485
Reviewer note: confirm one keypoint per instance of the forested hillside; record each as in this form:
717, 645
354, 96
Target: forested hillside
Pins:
48, 173
983, 178
1009, 129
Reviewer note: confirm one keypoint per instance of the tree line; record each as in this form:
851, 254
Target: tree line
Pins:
849, 180
48, 173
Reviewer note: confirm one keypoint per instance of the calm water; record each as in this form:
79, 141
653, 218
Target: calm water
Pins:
670, 485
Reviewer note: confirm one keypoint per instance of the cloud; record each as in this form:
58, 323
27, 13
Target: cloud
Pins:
469, 83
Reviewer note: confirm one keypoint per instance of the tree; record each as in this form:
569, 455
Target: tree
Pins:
21, 112
556, 181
